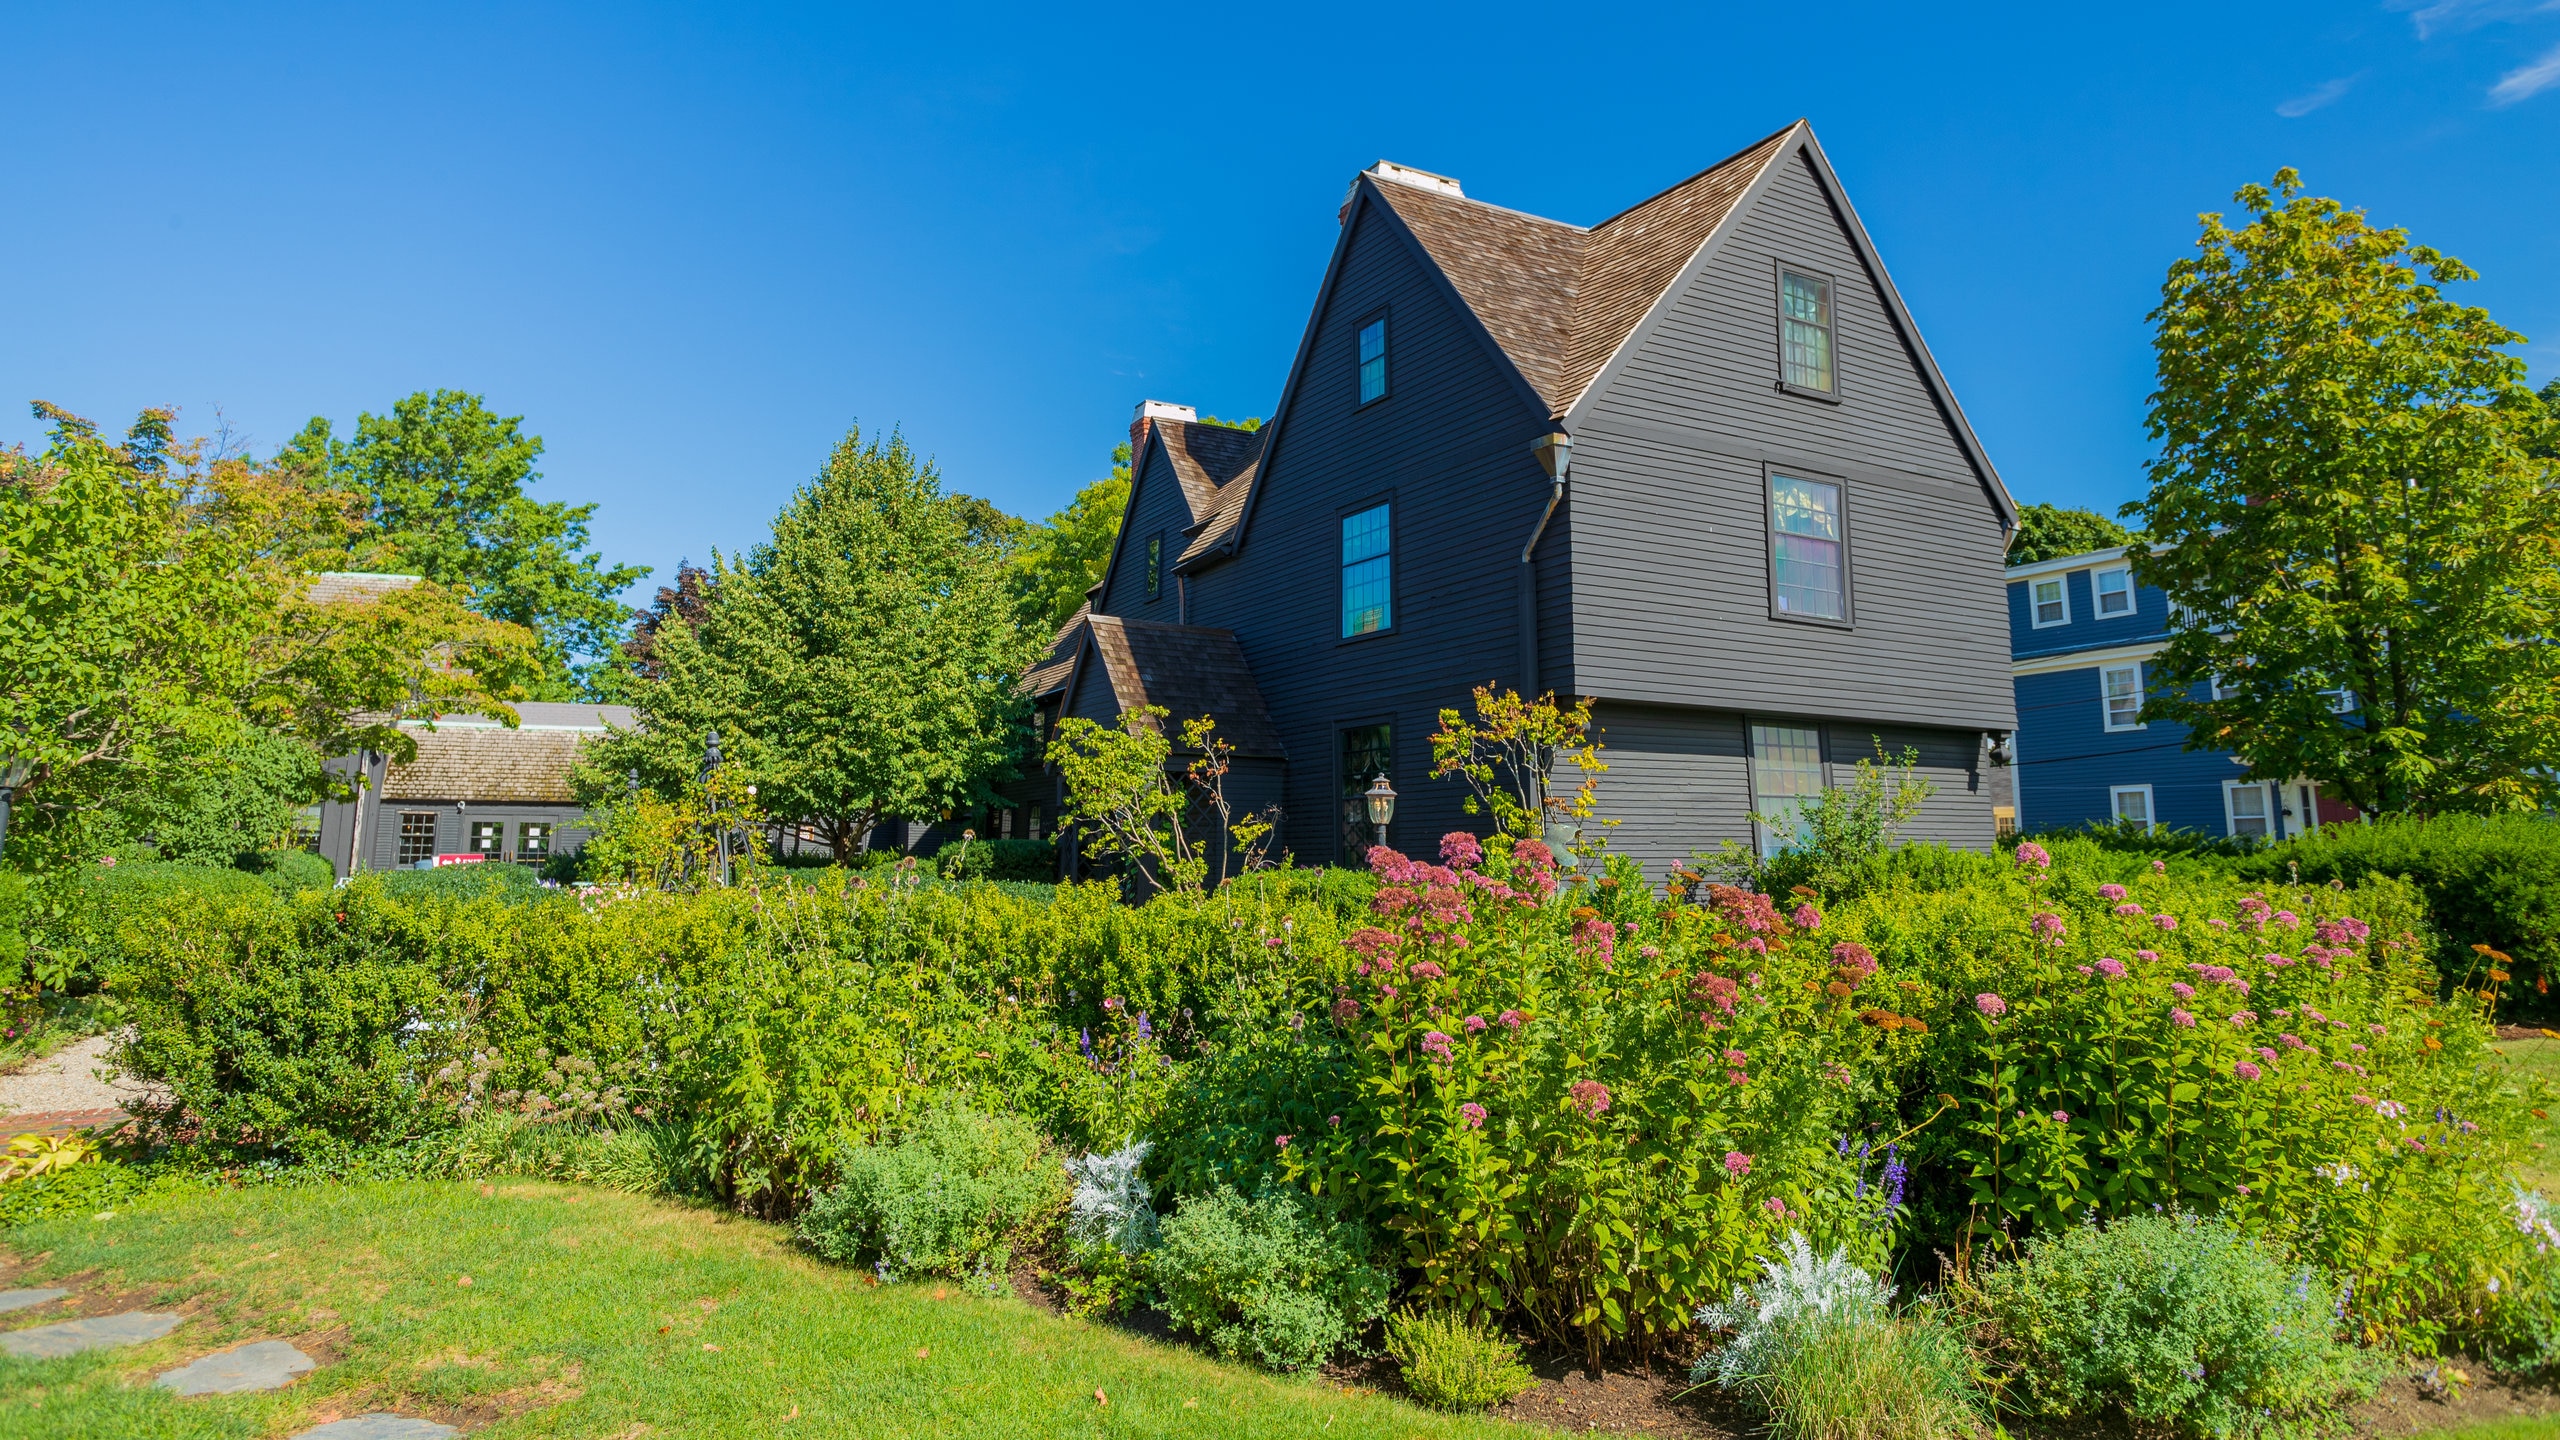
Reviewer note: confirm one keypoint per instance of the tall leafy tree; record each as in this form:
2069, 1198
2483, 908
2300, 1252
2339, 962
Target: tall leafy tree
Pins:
860, 665
443, 483
157, 620
1061, 558
2049, 532
2364, 558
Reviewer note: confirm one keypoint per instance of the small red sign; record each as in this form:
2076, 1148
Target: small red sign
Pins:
472, 857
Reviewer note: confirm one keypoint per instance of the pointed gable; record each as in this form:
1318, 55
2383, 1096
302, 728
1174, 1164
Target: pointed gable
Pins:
1206, 458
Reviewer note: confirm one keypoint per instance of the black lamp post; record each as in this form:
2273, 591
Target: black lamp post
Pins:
1382, 805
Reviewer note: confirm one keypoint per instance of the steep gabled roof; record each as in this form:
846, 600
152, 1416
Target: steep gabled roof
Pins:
1206, 458
1189, 670
1559, 299
1049, 674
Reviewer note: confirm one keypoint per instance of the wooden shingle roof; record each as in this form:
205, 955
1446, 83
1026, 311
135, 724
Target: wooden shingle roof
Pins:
1206, 458
1560, 299
1189, 670
473, 757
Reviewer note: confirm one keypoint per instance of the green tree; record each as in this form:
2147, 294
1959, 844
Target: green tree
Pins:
2364, 559
243, 803
1061, 558
859, 665
443, 482
2049, 532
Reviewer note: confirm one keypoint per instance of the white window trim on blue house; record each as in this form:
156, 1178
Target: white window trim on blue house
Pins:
2107, 698
2099, 595
2150, 805
2035, 605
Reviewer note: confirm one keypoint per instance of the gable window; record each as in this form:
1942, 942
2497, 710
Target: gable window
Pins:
417, 837
2122, 687
2115, 592
1806, 554
1373, 360
1805, 330
1368, 589
1155, 565
2246, 814
2052, 602
1368, 751
2132, 806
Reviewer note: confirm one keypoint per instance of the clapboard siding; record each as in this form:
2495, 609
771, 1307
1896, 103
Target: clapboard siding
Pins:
1449, 447
1958, 810
1668, 545
1678, 782
1157, 509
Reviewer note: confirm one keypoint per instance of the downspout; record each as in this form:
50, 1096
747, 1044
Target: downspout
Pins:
1555, 456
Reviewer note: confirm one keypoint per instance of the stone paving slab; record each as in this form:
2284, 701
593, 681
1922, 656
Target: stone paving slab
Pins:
267, 1365
379, 1426
21, 1299
99, 1332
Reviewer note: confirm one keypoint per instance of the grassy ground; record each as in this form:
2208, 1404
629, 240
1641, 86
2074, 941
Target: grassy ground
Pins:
593, 1313
2532, 1059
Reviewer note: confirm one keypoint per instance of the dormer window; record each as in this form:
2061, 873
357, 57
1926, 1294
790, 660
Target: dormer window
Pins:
1373, 360
2115, 592
1805, 331
2052, 602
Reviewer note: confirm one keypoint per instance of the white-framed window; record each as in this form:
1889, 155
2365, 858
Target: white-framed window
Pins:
2248, 813
2052, 601
2115, 591
1786, 776
2131, 805
2342, 701
2121, 685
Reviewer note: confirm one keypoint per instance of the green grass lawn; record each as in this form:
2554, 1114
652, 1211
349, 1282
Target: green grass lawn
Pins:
2540, 1059
594, 1313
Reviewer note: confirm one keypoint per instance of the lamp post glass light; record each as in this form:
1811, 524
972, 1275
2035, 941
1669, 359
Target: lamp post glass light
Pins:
1382, 805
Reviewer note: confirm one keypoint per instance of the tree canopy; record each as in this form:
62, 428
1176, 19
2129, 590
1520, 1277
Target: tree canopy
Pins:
442, 484
2049, 532
859, 665
1061, 558
2363, 555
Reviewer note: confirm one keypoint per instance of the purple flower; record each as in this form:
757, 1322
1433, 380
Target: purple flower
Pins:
1590, 1097
1145, 1030
1461, 851
2110, 892
2181, 1017
2110, 968
1475, 1025
2244, 1070
1807, 918
1511, 1019
2034, 856
1436, 1045
1736, 1164
1991, 1005
1474, 1114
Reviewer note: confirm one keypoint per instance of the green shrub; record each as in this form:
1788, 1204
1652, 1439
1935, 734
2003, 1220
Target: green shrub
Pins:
1818, 1350
1032, 860
488, 879
2172, 1319
641, 1157
99, 1185
954, 1196
1453, 1363
1273, 1279
293, 871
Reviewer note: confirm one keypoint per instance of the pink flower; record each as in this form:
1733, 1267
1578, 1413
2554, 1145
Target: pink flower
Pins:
1991, 1005
2182, 989
1475, 1024
1345, 1011
1590, 1097
2288, 919
2128, 909
2181, 1017
1736, 1163
2218, 923
2361, 1099
2083, 969
1461, 851
2159, 867
2047, 925
2266, 1054
2291, 1042
1282, 1142
1853, 960
1807, 918
1776, 1206
1474, 1114
1649, 952
2378, 1030
2165, 922
2034, 856
1436, 1045
2110, 892
1718, 988
2146, 954
2061, 1117
1334, 1120
1386, 992
1511, 1019
2244, 1070
2244, 1017
2110, 968
1428, 970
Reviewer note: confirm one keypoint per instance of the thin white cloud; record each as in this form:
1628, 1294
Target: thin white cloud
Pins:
2527, 81
2434, 17
2327, 93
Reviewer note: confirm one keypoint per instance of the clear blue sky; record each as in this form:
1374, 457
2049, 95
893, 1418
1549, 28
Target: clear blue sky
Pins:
691, 245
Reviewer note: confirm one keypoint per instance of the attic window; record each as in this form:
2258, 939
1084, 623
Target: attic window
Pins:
1155, 565
1805, 331
1373, 360
1807, 550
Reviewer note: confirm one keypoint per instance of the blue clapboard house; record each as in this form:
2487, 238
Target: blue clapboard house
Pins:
2082, 635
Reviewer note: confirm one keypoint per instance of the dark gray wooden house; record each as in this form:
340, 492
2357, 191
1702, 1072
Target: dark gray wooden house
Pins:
1693, 460
476, 787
